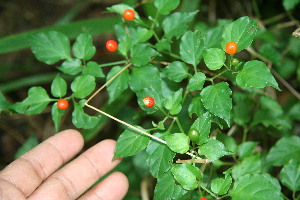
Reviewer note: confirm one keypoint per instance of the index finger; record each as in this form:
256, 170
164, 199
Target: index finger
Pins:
31, 169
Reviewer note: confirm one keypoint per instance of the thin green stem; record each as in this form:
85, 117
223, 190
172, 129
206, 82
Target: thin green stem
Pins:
172, 55
208, 191
159, 108
171, 126
195, 68
245, 134
152, 129
179, 124
113, 63
212, 78
285, 197
154, 20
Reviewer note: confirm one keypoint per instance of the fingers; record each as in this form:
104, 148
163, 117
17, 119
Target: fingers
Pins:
30, 170
76, 177
114, 187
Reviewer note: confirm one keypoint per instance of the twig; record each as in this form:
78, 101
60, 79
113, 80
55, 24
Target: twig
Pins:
160, 62
110, 80
126, 124
198, 160
144, 189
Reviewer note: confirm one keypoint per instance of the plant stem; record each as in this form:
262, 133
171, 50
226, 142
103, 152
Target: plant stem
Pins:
159, 108
110, 80
154, 20
171, 126
207, 190
113, 63
126, 124
212, 78
283, 196
179, 124
245, 133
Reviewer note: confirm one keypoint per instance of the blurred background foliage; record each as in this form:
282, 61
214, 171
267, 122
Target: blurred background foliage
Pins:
19, 70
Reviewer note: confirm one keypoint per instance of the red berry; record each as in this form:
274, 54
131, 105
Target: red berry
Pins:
148, 101
111, 45
62, 104
203, 199
129, 14
231, 48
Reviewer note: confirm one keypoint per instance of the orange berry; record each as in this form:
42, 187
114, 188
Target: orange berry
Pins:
62, 104
129, 14
231, 48
111, 45
148, 101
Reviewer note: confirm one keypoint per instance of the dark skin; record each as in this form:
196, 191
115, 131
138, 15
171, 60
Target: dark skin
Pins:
35, 176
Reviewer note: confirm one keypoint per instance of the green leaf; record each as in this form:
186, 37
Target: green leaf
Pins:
256, 187
241, 109
187, 175
59, 87
4, 104
81, 119
246, 149
173, 102
214, 58
118, 85
97, 26
213, 150
143, 34
290, 175
250, 165
166, 188
149, 92
71, 66
83, 47
290, 4
141, 54
212, 37
228, 141
196, 107
35, 103
93, 69
50, 47
176, 23
216, 98
125, 42
191, 47
270, 113
284, 150
130, 142
56, 116
256, 74
168, 87
176, 71
160, 157
196, 82
241, 31
178, 142
203, 125
120, 8
164, 7
163, 45
221, 186
30, 143
139, 78
83, 85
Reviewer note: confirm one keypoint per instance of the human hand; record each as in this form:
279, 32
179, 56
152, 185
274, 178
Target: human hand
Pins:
34, 176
